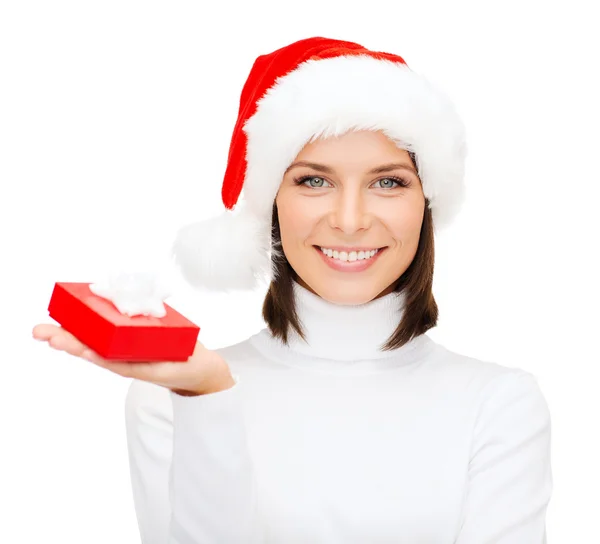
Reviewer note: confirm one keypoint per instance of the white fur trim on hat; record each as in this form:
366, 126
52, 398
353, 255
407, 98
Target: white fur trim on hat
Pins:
329, 97
319, 99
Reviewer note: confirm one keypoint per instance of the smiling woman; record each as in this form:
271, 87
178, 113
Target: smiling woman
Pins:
350, 239
350, 208
345, 422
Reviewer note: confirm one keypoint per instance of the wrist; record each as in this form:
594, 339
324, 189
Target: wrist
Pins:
224, 380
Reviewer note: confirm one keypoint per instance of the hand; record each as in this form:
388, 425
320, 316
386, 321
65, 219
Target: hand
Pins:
204, 372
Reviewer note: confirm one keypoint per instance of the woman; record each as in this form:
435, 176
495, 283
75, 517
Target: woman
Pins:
341, 421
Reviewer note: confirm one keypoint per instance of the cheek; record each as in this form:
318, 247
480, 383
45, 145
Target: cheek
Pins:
404, 222
297, 220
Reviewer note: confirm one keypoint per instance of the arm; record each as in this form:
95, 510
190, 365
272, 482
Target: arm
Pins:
149, 427
190, 474
212, 487
510, 477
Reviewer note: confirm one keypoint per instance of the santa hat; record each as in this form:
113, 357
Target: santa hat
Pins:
317, 87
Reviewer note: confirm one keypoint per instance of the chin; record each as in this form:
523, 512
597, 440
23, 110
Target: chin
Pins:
346, 295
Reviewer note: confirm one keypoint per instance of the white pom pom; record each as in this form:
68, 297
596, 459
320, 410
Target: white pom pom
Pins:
228, 252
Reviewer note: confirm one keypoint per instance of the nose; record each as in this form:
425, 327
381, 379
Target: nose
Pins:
349, 213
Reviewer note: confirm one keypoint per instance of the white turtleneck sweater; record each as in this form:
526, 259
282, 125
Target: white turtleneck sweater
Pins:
335, 442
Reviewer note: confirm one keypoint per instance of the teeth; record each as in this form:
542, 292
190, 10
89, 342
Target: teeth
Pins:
352, 256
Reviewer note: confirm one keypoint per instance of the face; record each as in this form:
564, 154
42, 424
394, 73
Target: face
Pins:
347, 196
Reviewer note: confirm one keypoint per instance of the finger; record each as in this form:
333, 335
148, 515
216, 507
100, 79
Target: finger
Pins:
44, 331
59, 338
140, 371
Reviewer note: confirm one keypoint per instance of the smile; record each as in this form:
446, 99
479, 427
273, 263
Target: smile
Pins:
353, 261
349, 255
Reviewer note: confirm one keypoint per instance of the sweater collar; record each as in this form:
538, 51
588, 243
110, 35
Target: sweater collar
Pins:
345, 332
344, 339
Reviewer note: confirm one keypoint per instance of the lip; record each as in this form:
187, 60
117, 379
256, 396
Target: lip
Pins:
349, 249
348, 266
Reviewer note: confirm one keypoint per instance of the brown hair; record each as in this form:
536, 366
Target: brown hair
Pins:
420, 310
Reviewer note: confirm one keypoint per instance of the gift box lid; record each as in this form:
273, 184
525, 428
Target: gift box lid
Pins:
108, 311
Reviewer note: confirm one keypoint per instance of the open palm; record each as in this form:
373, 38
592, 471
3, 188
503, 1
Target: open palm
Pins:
204, 372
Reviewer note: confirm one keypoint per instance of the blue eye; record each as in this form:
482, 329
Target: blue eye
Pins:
303, 180
398, 181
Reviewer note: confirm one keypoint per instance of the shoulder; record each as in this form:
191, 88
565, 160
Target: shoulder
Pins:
505, 409
454, 365
511, 434
492, 384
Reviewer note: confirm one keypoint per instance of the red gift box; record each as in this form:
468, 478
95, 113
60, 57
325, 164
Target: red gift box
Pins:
97, 323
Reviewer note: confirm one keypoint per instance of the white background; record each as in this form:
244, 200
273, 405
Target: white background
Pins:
115, 120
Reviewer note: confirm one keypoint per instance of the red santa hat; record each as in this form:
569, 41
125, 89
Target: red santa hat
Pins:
317, 88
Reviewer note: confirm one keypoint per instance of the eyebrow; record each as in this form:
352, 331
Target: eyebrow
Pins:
378, 170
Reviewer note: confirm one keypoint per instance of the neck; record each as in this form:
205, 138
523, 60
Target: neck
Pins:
345, 332
344, 340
